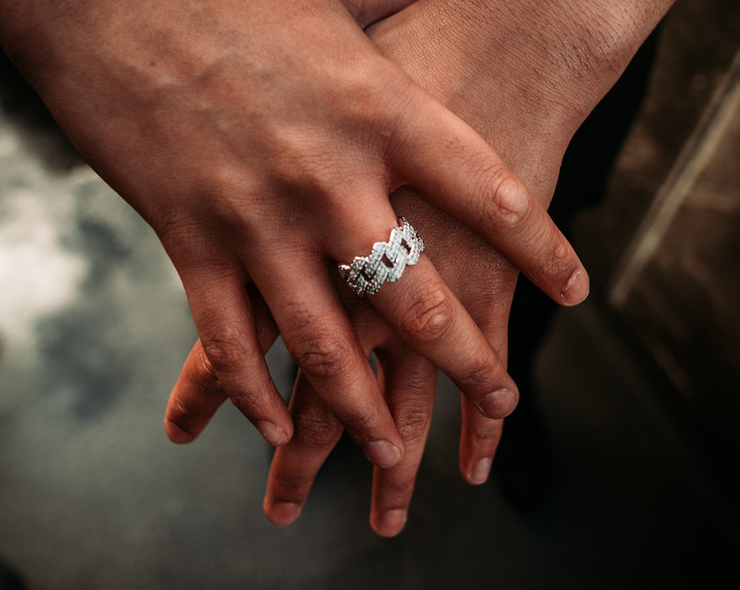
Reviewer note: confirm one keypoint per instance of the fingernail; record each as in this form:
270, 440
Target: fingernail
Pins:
577, 288
272, 433
382, 453
284, 513
498, 404
177, 434
391, 522
479, 471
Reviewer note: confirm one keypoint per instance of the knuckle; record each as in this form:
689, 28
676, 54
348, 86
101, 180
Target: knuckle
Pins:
561, 258
321, 357
224, 193
480, 378
512, 202
191, 247
321, 347
315, 429
412, 423
377, 93
205, 374
399, 488
248, 403
361, 427
175, 227
431, 315
291, 484
305, 161
487, 435
225, 350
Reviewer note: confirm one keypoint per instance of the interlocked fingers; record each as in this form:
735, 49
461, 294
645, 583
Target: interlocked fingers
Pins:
386, 262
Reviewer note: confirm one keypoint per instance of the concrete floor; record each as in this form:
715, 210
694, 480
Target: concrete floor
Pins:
94, 329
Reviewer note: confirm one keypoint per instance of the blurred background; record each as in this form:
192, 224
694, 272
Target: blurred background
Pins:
637, 390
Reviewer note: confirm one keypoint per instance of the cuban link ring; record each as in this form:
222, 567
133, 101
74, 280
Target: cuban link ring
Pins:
366, 274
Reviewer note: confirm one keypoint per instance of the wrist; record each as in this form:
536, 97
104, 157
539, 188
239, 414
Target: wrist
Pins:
574, 51
523, 74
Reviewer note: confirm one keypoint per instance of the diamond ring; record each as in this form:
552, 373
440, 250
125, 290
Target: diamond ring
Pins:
386, 262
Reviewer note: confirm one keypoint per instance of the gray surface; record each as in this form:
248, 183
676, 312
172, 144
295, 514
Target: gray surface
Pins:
94, 329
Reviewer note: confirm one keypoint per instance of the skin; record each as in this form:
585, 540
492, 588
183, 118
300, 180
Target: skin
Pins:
485, 75
261, 140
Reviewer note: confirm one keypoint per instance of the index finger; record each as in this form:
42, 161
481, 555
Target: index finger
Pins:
463, 176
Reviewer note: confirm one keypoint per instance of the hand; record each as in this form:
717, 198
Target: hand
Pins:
482, 278
487, 99
406, 379
260, 140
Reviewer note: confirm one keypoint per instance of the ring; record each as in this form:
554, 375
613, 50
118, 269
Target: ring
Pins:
366, 274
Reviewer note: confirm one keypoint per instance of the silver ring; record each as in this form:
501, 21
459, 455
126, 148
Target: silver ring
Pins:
366, 274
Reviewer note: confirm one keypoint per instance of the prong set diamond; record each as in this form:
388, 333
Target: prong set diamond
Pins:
386, 262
